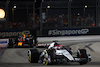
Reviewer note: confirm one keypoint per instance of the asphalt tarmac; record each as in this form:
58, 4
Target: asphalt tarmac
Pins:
17, 57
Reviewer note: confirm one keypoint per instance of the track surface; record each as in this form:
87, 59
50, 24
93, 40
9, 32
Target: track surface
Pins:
17, 57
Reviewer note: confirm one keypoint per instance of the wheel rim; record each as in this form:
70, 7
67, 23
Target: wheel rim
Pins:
46, 59
29, 56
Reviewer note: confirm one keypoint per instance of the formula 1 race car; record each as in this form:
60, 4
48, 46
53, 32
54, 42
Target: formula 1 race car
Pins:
22, 41
25, 41
58, 54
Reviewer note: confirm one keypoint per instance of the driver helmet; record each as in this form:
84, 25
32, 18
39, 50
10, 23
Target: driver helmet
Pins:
23, 34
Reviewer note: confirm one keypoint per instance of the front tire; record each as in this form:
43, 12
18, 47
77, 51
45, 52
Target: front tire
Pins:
33, 56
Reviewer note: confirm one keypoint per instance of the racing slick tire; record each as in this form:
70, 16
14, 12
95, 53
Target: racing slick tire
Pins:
33, 56
10, 43
82, 54
31, 43
49, 57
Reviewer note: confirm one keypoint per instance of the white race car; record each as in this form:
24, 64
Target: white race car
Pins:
58, 54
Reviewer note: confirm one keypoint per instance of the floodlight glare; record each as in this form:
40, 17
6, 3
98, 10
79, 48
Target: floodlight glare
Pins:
85, 6
48, 6
2, 13
14, 6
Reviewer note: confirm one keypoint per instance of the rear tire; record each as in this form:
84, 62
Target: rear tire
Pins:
33, 56
30, 43
10, 43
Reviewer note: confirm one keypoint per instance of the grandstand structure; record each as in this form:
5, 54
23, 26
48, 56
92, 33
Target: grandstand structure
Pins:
50, 14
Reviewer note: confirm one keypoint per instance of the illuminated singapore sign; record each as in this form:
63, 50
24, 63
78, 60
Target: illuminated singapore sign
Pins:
68, 32
13, 34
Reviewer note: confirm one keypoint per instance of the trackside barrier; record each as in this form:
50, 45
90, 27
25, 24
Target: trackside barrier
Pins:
14, 33
3, 45
71, 31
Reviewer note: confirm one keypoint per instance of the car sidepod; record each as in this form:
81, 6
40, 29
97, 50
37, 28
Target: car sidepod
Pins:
65, 53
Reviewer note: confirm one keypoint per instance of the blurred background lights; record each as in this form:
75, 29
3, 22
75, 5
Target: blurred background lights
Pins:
48, 6
14, 6
2, 13
86, 6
